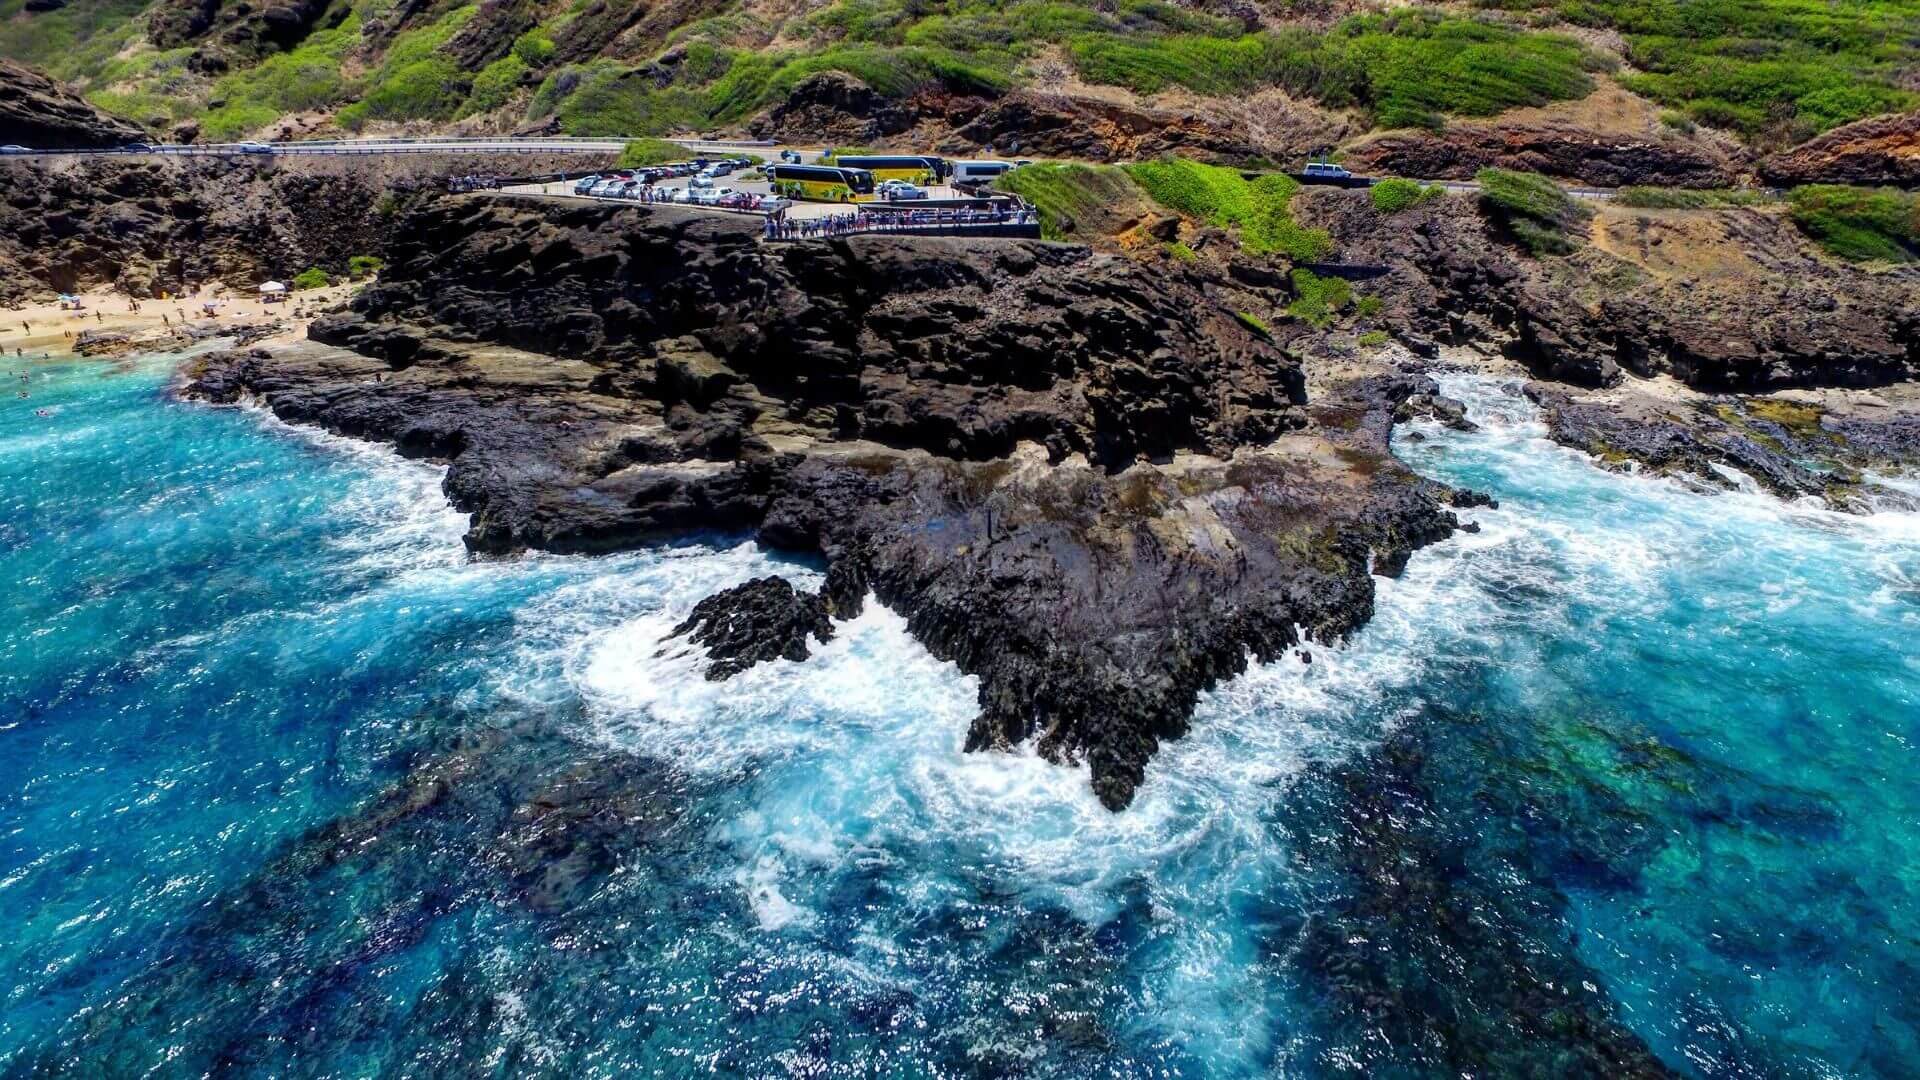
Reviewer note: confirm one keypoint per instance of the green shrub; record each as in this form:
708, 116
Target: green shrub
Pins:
1182, 252
1368, 306
1220, 196
1254, 323
231, 121
535, 47
1773, 70
415, 80
495, 84
311, 278
1373, 339
1859, 224
1068, 195
1318, 300
1410, 67
1661, 198
642, 152
72, 42
614, 100
1395, 195
363, 266
1537, 211
307, 78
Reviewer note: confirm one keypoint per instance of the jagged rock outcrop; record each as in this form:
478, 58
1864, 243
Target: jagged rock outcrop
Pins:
1878, 151
1054, 125
835, 108
1788, 448
759, 620
230, 34
1584, 157
1076, 477
1722, 300
37, 112
149, 225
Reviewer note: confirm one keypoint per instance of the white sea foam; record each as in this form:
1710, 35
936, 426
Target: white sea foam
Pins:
852, 760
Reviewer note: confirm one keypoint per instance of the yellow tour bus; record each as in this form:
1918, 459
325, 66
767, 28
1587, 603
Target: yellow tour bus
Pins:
821, 183
913, 168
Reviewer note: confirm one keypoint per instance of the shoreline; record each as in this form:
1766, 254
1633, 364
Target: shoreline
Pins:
42, 332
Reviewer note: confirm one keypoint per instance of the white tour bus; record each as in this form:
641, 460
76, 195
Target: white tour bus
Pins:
980, 172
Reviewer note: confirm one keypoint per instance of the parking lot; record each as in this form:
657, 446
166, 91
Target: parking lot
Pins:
749, 182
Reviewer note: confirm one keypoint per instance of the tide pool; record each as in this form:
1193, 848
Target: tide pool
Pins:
289, 785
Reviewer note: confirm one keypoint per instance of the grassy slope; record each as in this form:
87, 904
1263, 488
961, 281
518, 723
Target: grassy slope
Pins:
1078, 202
1772, 70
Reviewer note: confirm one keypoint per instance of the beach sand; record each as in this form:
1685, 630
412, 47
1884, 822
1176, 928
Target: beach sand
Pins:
43, 330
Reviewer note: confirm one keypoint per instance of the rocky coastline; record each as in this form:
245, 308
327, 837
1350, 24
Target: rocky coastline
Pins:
1085, 475
1077, 478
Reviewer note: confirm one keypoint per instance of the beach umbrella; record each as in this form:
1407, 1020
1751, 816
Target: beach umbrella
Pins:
272, 286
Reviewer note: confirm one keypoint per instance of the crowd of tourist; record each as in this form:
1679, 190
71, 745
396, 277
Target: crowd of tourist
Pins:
781, 227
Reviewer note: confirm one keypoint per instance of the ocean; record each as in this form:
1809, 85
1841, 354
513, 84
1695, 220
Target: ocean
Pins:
291, 786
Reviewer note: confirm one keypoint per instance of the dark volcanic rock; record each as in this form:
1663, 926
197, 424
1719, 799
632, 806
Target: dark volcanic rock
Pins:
1722, 300
234, 33
1790, 450
149, 225
37, 112
1879, 151
1052, 125
1075, 476
763, 619
1565, 152
834, 107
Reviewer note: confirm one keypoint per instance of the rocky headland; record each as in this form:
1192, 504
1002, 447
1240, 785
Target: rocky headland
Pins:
147, 225
1076, 476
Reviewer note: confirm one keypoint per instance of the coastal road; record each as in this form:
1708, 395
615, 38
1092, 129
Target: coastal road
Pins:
559, 145
331, 147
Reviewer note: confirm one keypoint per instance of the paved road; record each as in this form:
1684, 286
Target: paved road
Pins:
738, 183
409, 146
507, 145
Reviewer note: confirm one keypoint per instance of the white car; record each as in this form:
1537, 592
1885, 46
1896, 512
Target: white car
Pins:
703, 182
14, 148
899, 190
1326, 169
711, 197
604, 188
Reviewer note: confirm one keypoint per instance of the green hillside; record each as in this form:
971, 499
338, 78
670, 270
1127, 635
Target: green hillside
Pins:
1770, 71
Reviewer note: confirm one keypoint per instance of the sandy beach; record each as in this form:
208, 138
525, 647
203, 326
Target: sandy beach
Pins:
45, 331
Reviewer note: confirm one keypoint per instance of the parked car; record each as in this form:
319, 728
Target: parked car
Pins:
711, 197
585, 184
899, 191
791, 157
253, 148
14, 148
703, 182
1326, 169
718, 168
603, 188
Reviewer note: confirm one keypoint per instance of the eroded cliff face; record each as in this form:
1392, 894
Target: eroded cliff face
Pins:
1724, 300
1077, 477
37, 112
1879, 151
147, 224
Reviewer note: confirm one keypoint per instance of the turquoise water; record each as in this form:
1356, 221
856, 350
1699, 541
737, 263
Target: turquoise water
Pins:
289, 786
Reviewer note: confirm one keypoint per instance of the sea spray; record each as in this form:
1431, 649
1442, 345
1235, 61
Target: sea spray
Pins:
1663, 741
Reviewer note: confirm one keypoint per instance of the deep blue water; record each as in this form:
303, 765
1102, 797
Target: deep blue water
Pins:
289, 786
